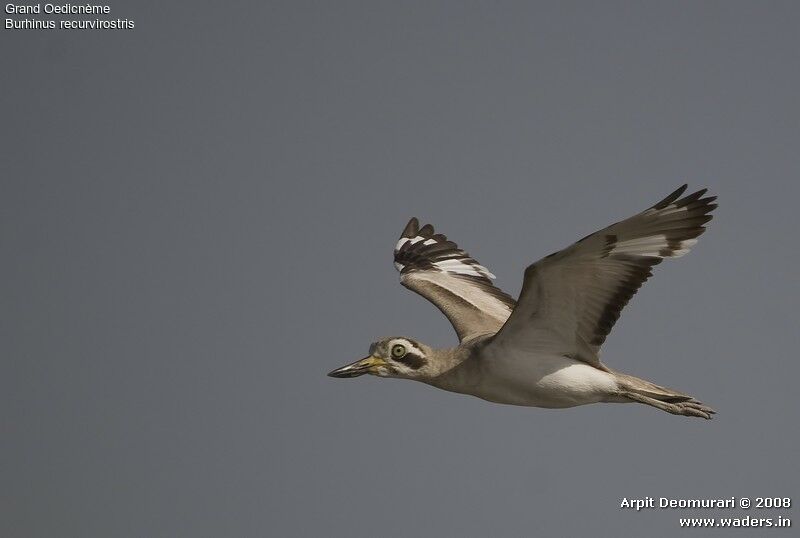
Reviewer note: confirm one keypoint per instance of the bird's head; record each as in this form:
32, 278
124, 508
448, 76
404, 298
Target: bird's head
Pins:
392, 357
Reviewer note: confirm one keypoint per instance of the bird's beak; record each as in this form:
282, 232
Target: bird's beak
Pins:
364, 366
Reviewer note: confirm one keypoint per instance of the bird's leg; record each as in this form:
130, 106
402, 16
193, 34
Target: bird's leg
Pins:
690, 408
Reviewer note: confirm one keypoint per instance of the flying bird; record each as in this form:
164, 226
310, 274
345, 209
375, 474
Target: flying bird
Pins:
543, 349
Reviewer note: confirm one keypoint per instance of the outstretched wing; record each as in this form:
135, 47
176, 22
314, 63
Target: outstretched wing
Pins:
571, 299
448, 277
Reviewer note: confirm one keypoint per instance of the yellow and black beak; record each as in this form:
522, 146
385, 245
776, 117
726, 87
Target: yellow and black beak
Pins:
364, 366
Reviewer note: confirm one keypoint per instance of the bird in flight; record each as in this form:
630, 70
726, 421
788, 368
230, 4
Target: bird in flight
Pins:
543, 349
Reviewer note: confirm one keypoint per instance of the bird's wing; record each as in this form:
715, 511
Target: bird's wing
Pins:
571, 299
448, 277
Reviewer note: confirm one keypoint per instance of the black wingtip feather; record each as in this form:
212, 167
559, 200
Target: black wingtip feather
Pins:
690, 198
411, 228
671, 198
426, 231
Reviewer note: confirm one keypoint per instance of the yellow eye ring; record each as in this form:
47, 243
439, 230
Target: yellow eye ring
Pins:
398, 350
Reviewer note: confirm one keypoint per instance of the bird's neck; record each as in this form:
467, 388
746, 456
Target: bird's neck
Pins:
446, 361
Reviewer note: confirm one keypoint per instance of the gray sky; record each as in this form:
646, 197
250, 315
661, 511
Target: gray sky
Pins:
197, 224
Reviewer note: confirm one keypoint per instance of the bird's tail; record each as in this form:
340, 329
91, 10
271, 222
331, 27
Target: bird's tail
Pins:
642, 391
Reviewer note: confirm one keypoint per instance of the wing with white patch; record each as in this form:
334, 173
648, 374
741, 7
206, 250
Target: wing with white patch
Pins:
571, 299
452, 280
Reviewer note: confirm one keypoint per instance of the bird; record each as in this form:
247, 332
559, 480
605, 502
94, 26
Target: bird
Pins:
542, 350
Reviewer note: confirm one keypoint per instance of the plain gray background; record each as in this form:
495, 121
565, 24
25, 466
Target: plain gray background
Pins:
197, 224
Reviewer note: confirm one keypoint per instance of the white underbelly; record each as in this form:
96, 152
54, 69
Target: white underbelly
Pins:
537, 381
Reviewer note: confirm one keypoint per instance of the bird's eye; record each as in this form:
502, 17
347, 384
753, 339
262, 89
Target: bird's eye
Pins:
398, 350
